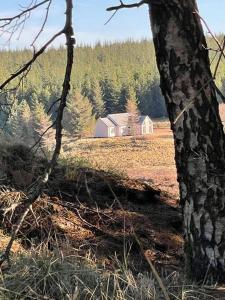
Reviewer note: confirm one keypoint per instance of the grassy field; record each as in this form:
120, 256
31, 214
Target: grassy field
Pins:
149, 158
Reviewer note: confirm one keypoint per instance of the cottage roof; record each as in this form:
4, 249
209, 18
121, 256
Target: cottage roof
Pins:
122, 119
142, 118
107, 122
119, 119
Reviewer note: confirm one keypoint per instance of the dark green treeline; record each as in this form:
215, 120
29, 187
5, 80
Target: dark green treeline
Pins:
104, 75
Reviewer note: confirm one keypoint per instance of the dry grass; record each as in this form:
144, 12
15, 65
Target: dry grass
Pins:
53, 276
150, 158
123, 153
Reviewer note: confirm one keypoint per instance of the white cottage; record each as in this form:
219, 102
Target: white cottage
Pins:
119, 125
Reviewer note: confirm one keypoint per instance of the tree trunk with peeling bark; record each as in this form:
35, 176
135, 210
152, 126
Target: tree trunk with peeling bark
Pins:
186, 83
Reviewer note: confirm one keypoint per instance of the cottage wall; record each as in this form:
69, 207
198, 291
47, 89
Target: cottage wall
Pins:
101, 130
147, 126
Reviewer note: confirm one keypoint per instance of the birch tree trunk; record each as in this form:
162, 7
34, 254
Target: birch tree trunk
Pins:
186, 83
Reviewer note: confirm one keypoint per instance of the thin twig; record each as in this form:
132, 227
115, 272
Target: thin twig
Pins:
107, 22
43, 24
210, 32
220, 57
53, 104
8, 20
218, 91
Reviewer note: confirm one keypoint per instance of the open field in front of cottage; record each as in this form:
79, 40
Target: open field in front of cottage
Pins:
149, 158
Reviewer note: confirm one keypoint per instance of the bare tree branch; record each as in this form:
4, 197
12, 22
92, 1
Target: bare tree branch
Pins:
8, 20
123, 5
211, 33
219, 92
111, 17
44, 23
16, 23
220, 57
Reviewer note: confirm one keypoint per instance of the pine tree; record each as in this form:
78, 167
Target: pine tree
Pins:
26, 123
151, 101
43, 122
132, 110
86, 86
92, 90
97, 99
111, 95
13, 128
116, 67
78, 118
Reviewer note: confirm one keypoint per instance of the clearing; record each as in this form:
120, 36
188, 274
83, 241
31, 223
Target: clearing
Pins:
149, 158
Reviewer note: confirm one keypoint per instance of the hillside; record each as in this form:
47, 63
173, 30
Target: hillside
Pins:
110, 71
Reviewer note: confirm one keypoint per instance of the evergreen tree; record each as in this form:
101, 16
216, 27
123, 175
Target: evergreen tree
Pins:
12, 128
41, 123
97, 99
132, 110
26, 123
124, 96
78, 118
111, 95
151, 101
86, 87
19, 127
92, 90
